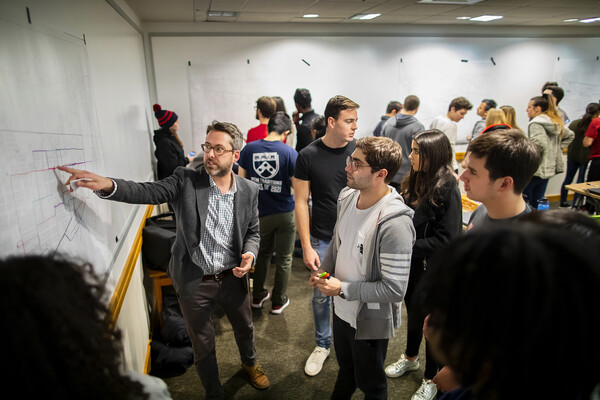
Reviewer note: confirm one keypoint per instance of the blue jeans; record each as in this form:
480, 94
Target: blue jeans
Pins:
572, 168
535, 190
321, 304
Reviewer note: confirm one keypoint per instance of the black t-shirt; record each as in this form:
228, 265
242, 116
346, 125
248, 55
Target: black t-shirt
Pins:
324, 167
303, 137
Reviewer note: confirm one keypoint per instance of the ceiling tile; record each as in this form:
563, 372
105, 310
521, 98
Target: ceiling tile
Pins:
277, 6
227, 5
161, 11
515, 12
427, 9
266, 17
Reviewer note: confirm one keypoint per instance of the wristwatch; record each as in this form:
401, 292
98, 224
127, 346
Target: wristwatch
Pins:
341, 294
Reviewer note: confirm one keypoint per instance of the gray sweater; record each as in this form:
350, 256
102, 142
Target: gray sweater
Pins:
402, 128
386, 264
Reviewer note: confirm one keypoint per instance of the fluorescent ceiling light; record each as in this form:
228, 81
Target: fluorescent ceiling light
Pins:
571, 20
463, 17
310, 16
587, 21
222, 14
365, 16
486, 18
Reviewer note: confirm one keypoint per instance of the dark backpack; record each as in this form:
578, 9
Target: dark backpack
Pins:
157, 239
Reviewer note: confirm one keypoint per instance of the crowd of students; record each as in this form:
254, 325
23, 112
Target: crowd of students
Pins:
425, 180
379, 220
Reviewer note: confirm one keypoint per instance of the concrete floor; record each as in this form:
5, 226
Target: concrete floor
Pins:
283, 344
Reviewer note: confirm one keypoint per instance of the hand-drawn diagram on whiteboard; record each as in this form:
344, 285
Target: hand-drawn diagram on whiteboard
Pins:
48, 118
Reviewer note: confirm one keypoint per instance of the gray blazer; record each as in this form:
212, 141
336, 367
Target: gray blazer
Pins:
187, 190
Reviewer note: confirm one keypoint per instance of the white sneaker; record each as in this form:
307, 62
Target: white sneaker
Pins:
427, 391
314, 364
402, 366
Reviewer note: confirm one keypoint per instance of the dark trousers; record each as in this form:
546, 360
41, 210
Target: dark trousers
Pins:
594, 170
572, 168
535, 190
277, 232
415, 318
197, 309
361, 363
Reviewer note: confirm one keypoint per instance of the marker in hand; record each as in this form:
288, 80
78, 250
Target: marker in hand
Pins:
324, 275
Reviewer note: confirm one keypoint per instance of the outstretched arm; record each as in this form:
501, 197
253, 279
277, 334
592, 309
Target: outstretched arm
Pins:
88, 179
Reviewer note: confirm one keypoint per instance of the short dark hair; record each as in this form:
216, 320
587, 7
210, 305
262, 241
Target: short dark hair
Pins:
319, 126
237, 139
58, 329
562, 218
411, 103
549, 83
279, 122
508, 153
489, 103
266, 105
482, 324
460, 103
336, 104
393, 105
381, 153
302, 98
557, 92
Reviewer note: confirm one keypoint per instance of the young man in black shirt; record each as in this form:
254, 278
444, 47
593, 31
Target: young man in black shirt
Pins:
320, 174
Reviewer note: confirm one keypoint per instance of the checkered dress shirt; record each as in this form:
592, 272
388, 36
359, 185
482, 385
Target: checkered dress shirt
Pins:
215, 253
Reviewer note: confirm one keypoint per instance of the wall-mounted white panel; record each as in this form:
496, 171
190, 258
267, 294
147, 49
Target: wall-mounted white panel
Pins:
370, 70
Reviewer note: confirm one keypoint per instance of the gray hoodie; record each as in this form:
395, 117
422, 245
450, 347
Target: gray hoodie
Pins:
388, 243
552, 139
402, 128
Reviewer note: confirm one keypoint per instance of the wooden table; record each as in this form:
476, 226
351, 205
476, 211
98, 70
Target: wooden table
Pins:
582, 188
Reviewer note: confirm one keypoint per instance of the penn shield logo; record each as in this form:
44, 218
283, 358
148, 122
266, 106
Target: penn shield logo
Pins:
266, 165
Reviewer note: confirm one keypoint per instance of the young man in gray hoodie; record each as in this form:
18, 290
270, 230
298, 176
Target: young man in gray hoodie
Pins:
367, 267
401, 128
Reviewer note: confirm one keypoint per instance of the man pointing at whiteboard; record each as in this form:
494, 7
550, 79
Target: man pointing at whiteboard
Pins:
216, 244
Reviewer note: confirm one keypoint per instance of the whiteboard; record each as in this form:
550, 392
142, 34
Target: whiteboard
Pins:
581, 81
49, 117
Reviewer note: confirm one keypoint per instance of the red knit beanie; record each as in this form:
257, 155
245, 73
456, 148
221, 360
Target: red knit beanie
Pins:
165, 118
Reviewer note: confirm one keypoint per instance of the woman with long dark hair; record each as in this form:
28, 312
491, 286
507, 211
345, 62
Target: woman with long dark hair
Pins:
431, 189
577, 154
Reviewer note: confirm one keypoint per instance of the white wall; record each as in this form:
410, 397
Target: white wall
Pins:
372, 71
117, 73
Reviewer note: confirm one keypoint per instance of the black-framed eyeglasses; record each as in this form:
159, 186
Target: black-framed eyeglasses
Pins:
218, 150
354, 165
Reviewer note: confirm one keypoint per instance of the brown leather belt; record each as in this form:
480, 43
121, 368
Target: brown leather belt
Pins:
217, 277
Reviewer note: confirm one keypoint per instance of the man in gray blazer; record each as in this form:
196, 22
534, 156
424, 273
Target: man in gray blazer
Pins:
215, 246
